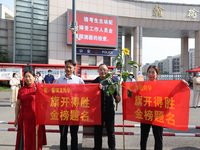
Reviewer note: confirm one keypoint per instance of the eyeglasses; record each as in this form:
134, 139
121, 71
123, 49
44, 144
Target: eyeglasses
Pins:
103, 70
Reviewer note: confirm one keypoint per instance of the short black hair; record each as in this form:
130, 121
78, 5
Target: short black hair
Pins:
49, 71
70, 61
102, 65
31, 72
14, 74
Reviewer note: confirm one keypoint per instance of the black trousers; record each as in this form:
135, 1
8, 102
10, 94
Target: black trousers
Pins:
109, 120
63, 137
157, 132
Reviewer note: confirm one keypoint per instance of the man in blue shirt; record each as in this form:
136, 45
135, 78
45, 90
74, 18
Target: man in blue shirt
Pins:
69, 78
49, 78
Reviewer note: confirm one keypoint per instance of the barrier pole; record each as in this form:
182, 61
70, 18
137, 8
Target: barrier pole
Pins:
36, 138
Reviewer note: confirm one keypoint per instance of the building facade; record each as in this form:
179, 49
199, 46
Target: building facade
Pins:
41, 30
31, 31
6, 31
172, 64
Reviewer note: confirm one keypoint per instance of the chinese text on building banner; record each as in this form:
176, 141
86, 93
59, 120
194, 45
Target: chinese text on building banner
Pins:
68, 104
162, 103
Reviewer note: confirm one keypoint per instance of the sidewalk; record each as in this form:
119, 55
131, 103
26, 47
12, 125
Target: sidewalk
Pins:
7, 139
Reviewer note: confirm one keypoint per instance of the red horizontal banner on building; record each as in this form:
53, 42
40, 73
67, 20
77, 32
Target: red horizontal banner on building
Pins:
68, 104
162, 103
94, 29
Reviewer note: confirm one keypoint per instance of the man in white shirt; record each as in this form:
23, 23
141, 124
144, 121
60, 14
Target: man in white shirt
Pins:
69, 78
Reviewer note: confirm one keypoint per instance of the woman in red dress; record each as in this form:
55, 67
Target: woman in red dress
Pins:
25, 118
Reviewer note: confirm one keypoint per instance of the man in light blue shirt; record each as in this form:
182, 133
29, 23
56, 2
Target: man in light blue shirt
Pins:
69, 78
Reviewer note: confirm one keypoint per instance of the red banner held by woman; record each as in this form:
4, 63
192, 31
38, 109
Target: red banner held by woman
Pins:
162, 103
68, 104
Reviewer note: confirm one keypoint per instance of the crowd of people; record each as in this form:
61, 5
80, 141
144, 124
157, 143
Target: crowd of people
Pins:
25, 120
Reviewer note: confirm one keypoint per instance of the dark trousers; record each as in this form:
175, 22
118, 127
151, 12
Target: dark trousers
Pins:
63, 137
157, 132
108, 119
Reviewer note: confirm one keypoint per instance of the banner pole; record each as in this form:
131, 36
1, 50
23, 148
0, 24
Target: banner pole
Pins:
123, 118
36, 138
123, 137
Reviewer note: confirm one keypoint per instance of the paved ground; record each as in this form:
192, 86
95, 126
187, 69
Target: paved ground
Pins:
7, 139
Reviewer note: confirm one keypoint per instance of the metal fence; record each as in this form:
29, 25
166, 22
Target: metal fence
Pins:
170, 77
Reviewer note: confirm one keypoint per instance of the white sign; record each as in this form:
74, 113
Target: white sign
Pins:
57, 73
89, 74
6, 73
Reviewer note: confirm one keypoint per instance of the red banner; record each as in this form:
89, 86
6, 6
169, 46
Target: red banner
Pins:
162, 103
68, 104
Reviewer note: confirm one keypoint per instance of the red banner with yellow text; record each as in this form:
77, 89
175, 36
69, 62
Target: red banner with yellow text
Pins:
162, 103
68, 104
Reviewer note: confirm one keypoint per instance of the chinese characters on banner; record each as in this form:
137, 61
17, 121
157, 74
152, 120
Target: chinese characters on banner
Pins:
68, 104
162, 103
94, 29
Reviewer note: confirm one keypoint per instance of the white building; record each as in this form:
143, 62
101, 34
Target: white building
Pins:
6, 13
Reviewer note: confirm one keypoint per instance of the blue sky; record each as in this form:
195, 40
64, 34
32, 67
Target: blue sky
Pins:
153, 48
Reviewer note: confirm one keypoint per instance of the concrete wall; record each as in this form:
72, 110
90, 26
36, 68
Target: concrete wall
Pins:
6, 37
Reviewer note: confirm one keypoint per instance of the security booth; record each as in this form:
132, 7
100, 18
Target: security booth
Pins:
7, 70
89, 73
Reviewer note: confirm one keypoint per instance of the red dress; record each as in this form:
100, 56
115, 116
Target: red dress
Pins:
27, 118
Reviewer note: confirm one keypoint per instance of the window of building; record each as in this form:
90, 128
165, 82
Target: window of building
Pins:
92, 61
176, 65
78, 59
106, 60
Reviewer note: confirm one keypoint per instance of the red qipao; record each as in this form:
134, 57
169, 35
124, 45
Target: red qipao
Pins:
27, 118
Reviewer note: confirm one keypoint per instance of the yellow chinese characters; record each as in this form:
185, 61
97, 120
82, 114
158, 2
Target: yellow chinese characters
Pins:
84, 116
76, 107
159, 116
148, 101
160, 109
169, 103
170, 119
138, 100
54, 115
156, 101
139, 114
60, 90
85, 102
143, 87
55, 101
74, 115
75, 101
64, 115
64, 101
148, 115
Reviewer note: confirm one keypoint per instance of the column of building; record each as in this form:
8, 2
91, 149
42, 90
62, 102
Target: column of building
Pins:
197, 49
184, 55
137, 48
127, 41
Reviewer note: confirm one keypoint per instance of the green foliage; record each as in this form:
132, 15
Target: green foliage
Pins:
3, 55
4, 89
120, 57
4, 86
125, 75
